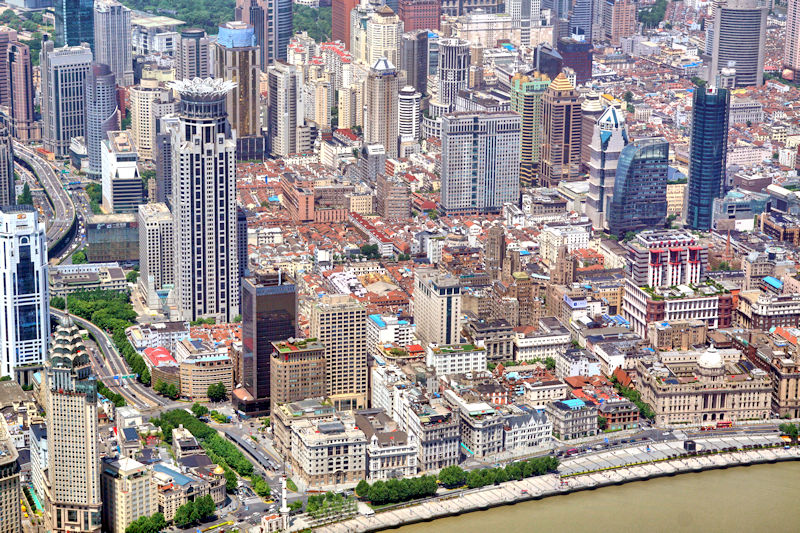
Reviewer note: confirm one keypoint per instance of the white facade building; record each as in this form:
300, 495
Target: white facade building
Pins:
437, 307
455, 358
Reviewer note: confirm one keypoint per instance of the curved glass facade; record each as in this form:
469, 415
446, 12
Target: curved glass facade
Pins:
640, 187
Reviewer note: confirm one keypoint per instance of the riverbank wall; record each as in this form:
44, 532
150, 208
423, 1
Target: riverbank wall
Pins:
713, 454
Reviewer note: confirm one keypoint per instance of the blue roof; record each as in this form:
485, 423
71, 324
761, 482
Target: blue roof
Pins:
378, 320
177, 477
778, 284
508, 46
274, 199
573, 403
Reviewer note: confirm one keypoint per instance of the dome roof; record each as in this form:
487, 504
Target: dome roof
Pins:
219, 471
711, 359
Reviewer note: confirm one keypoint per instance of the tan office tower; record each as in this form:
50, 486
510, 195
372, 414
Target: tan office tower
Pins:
339, 322
10, 494
791, 43
297, 371
619, 19
591, 109
156, 245
236, 59
72, 489
740, 33
149, 102
20, 79
561, 135
192, 59
112, 39
127, 493
380, 106
285, 116
384, 29
437, 307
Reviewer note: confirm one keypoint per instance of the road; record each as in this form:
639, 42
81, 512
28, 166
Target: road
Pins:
63, 208
134, 392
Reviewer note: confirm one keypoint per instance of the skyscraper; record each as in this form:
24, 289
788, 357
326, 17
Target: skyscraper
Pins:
480, 161
285, 115
340, 20
437, 307
74, 23
128, 493
580, 20
269, 314
156, 245
20, 79
524, 15
453, 71
414, 59
236, 60
383, 32
102, 113
204, 202
791, 43
7, 189
122, 183
708, 150
639, 201
526, 99
64, 72
272, 22
408, 113
380, 106
495, 251
577, 55
591, 109
6, 38
25, 331
740, 30
608, 139
561, 134
112, 38
339, 322
72, 487
193, 57
420, 14
619, 19
149, 101
10, 492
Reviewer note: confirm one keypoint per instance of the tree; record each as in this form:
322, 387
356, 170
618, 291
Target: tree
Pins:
699, 82
217, 392
57, 302
199, 410
550, 363
790, 430
132, 276
628, 96
260, 486
26, 198
724, 266
183, 515
602, 423
237, 318
362, 489
452, 476
629, 236
205, 506
79, 258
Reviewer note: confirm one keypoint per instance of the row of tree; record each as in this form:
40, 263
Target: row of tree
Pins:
115, 398
147, 524
193, 512
455, 476
169, 390
397, 490
645, 411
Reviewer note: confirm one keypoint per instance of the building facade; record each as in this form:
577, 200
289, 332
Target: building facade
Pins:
112, 38
561, 133
63, 73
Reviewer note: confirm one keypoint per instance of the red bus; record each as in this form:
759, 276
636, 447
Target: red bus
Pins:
724, 424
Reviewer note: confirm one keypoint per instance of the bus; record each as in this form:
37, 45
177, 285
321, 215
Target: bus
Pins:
724, 424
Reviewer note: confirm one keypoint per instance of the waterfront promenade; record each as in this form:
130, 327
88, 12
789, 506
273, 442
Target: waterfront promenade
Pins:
590, 471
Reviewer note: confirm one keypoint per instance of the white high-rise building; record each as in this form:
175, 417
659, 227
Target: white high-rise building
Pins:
7, 186
480, 161
112, 39
408, 104
156, 245
791, 43
128, 493
122, 183
608, 139
285, 112
384, 31
25, 328
524, 14
204, 202
149, 102
72, 486
102, 113
453, 71
740, 34
63, 71
437, 307
380, 106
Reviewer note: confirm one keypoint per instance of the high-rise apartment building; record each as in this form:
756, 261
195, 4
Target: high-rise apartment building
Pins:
7, 187
122, 183
272, 22
25, 330
408, 109
608, 139
10, 487
284, 83
269, 314
74, 23
63, 72
740, 33
619, 19
149, 101
22, 93
236, 60
204, 202
340, 20
339, 322
156, 245
437, 307
128, 493
380, 106
639, 200
194, 55
480, 161
708, 150
112, 38
72, 489
526, 99
791, 43
383, 32
414, 59
561, 133
420, 14
102, 113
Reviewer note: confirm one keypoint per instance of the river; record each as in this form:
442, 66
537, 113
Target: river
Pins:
761, 498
